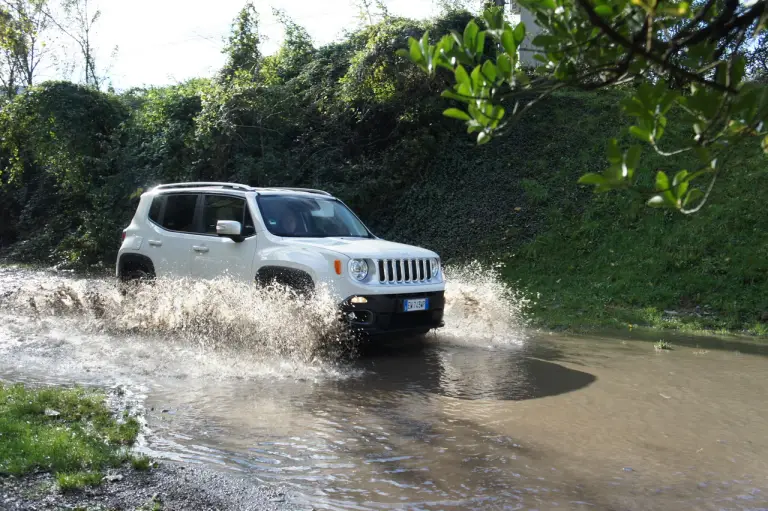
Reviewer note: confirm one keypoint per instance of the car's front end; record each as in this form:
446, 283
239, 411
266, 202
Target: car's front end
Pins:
382, 287
394, 295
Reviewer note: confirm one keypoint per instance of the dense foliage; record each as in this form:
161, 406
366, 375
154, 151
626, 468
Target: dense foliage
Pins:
701, 60
356, 119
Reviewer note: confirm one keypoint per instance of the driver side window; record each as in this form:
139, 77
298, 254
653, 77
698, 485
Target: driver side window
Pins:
223, 207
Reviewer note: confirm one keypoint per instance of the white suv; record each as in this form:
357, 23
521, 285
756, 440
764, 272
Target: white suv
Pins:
293, 236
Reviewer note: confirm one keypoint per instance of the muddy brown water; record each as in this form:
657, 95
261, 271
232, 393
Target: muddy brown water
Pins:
476, 417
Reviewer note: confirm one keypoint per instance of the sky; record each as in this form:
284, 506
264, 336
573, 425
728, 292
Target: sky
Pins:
161, 42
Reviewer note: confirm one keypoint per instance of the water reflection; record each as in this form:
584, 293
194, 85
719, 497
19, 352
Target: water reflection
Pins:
471, 373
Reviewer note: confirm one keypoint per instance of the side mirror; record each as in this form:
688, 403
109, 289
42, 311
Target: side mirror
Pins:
230, 229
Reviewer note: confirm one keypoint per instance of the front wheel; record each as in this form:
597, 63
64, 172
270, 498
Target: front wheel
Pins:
136, 274
132, 277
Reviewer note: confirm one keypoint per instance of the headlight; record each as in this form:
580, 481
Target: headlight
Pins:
358, 269
435, 265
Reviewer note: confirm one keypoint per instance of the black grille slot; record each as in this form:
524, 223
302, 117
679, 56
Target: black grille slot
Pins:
404, 271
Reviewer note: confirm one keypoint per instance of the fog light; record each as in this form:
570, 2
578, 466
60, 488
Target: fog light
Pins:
358, 299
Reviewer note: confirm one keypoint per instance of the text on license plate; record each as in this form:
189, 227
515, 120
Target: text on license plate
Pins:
418, 304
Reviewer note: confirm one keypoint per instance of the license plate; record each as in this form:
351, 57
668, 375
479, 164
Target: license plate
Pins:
418, 304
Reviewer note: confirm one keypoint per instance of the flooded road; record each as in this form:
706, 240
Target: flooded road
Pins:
481, 416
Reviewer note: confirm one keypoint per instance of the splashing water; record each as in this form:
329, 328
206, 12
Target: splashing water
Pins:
480, 308
217, 315
224, 327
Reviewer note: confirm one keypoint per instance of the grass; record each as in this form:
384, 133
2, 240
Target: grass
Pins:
582, 315
69, 481
608, 261
69, 432
141, 463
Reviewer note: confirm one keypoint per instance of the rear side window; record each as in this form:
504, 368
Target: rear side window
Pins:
222, 207
156, 208
179, 212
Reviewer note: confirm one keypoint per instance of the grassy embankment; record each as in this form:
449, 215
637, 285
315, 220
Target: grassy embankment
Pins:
68, 432
598, 261
618, 264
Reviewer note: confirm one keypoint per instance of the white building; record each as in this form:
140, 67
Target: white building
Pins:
517, 14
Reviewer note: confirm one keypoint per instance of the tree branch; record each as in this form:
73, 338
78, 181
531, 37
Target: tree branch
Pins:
721, 27
656, 59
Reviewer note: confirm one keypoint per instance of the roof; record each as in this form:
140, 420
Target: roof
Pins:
212, 185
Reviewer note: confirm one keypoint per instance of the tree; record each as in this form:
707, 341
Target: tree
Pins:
295, 52
369, 10
23, 24
78, 23
242, 49
682, 62
757, 59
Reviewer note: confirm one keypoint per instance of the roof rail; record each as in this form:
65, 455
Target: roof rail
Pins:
197, 184
308, 190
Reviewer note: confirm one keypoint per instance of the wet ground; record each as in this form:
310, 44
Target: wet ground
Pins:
481, 416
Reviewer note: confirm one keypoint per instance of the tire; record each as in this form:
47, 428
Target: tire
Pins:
137, 274
133, 274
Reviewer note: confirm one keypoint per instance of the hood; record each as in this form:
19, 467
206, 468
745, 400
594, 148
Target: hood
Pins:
365, 248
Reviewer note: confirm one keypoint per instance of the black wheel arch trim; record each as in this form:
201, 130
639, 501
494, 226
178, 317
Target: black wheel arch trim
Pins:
295, 278
135, 259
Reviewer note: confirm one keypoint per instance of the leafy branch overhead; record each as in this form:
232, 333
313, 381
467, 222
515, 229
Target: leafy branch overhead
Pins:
700, 63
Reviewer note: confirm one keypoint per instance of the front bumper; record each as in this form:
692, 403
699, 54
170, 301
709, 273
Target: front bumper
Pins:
384, 314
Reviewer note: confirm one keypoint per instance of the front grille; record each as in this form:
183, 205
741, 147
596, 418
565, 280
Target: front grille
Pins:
404, 271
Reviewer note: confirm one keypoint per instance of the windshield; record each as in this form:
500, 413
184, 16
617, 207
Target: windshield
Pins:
309, 217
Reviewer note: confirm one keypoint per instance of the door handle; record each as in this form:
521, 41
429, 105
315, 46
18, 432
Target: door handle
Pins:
199, 248
155, 243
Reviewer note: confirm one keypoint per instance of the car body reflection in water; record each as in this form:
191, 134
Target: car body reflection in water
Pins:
465, 372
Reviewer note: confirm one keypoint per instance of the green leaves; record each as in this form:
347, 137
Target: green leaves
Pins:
462, 52
462, 78
604, 10
592, 178
427, 56
455, 113
662, 182
508, 41
504, 66
677, 194
480, 43
415, 53
632, 157
576, 49
621, 171
680, 183
470, 33
640, 133
494, 18
614, 153
666, 198
675, 9
649, 105
519, 33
